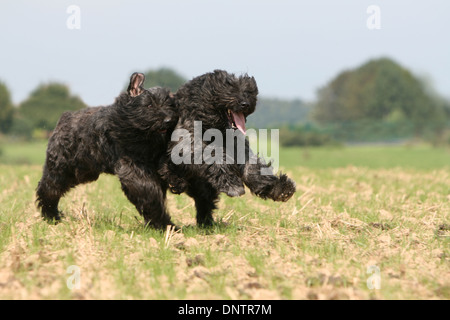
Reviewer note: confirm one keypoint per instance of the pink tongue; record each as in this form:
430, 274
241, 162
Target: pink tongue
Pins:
239, 120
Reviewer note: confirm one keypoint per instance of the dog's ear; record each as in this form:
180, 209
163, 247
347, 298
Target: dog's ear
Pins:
249, 84
136, 84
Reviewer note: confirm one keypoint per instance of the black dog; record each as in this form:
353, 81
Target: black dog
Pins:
127, 139
220, 101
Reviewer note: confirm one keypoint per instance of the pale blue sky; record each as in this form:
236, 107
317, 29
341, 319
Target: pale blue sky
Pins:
291, 47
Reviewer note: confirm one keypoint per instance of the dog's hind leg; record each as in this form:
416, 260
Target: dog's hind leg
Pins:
49, 191
205, 196
147, 192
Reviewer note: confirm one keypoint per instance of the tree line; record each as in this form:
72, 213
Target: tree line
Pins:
377, 101
381, 95
38, 114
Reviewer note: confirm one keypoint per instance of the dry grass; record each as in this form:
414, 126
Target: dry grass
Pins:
318, 245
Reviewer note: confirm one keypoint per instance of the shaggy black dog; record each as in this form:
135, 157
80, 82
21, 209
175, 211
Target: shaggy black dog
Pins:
128, 139
219, 101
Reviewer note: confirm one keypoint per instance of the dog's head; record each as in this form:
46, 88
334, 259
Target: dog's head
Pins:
150, 109
225, 95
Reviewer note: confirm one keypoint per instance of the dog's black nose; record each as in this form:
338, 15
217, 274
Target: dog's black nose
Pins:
167, 119
244, 104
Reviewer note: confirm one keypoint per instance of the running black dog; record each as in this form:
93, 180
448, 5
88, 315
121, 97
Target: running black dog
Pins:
128, 139
222, 102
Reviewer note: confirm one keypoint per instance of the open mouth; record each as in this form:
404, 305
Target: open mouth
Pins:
237, 120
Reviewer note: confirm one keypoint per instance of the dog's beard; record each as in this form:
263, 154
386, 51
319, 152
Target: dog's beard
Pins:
237, 120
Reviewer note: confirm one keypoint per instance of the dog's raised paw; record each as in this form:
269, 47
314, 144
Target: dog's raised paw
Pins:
283, 189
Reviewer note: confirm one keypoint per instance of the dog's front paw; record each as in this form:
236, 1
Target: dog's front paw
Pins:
178, 187
283, 189
176, 184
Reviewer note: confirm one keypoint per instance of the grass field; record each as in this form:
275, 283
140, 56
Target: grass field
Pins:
359, 214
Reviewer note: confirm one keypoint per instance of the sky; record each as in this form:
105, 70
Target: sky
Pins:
292, 48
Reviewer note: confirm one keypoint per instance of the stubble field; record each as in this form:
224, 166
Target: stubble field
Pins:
365, 223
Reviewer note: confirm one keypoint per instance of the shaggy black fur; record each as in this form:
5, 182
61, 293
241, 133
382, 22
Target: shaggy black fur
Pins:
127, 139
222, 101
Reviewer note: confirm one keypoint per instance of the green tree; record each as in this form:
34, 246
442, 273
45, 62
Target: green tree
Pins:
164, 77
274, 113
6, 109
46, 103
379, 90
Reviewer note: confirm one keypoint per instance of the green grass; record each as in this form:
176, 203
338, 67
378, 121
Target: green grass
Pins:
22, 152
374, 157
423, 157
355, 207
